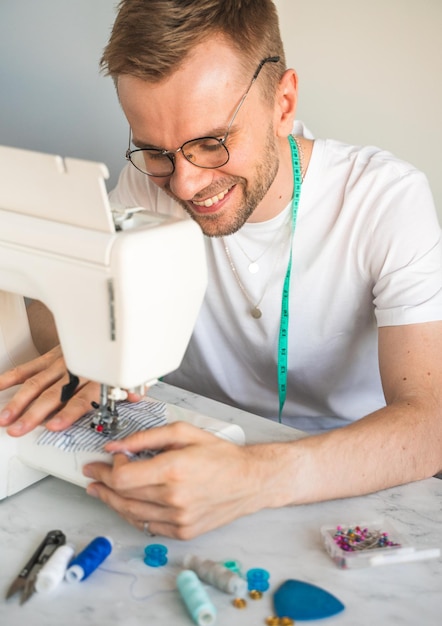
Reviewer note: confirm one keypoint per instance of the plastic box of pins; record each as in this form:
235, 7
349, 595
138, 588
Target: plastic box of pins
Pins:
369, 544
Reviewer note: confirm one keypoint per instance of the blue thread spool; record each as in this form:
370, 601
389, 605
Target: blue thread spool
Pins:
195, 598
155, 555
88, 559
258, 579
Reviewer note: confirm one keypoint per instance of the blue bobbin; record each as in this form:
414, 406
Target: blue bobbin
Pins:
258, 579
155, 555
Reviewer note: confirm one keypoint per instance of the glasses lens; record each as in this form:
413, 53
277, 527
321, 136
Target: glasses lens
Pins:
151, 162
206, 152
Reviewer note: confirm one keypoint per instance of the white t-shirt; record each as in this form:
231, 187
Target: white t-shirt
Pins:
366, 252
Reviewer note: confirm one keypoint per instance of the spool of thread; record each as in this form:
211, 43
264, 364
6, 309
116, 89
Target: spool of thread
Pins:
195, 598
216, 575
89, 559
53, 571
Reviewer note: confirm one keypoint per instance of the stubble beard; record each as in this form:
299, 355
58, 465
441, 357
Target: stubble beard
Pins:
214, 225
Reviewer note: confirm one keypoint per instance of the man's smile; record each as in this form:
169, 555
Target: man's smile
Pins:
208, 202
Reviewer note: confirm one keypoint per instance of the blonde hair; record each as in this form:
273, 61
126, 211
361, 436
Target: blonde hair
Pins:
151, 38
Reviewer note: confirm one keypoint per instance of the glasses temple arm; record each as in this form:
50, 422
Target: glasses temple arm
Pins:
255, 76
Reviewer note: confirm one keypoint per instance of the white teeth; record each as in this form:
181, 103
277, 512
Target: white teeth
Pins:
211, 201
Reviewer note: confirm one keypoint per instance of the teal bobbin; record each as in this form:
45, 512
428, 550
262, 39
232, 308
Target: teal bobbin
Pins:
258, 579
155, 555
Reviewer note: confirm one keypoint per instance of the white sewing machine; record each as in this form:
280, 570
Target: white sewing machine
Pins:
124, 286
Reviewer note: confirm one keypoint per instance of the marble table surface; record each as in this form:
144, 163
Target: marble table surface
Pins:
286, 542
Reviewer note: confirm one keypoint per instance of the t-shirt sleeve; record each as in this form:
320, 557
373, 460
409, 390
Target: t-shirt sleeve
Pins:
406, 255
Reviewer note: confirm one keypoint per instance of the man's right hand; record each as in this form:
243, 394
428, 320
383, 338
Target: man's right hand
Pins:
39, 397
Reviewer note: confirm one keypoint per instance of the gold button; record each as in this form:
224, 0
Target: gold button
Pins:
255, 594
239, 603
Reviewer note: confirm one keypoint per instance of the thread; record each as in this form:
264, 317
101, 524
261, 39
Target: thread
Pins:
216, 575
195, 598
53, 571
89, 559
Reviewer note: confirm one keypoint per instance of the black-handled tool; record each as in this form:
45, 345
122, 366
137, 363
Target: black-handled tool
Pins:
25, 581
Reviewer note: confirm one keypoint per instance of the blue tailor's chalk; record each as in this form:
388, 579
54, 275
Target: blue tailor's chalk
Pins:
303, 601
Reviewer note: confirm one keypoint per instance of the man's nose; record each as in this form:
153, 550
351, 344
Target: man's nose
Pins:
188, 179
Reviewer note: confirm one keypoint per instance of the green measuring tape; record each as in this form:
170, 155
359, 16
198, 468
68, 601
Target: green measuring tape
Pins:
285, 304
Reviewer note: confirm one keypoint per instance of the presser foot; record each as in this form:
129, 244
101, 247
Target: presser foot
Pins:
105, 420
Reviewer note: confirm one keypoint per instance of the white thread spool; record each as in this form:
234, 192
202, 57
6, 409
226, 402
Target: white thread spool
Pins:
216, 575
53, 571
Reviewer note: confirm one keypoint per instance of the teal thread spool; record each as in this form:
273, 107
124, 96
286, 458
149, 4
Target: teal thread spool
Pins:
233, 566
195, 598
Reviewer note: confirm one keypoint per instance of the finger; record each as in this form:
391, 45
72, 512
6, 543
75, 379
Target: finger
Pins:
24, 414
133, 396
80, 404
28, 392
104, 472
163, 520
48, 370
172, 436
136, 512
48, 403
21, 373
138, 479
169, 478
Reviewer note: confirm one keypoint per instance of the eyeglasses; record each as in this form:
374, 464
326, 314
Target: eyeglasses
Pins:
205, 152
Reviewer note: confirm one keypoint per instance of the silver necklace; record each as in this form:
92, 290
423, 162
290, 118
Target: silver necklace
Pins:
255, 310
301, 157
253, 265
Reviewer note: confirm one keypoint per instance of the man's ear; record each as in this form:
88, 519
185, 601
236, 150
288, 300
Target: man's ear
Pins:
285, 103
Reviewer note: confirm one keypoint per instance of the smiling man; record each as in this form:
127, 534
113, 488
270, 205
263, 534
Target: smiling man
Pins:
238, 177
324, 302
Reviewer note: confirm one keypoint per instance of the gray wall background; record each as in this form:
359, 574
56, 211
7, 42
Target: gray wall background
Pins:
370, 71
52, 96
